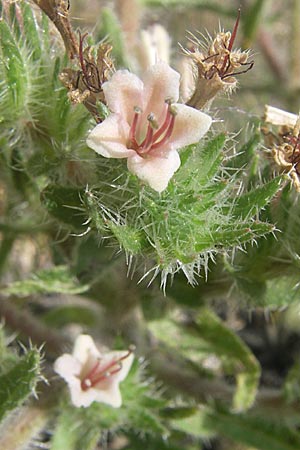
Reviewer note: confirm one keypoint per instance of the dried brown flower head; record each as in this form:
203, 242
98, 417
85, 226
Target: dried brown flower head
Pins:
285, 142
85, 85
216, 65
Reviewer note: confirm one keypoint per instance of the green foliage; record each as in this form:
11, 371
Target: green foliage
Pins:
292, 384
19, 382
251, 21
63, 315
65, 198
253, 431
29, 73
255, 199
206, 336
7, 358
198, 216
189, 420
194, 218
64, 203
110, 30
236, 356
59, 279
14, 76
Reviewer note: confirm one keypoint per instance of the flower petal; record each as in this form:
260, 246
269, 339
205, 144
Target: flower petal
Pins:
126, 364
109, 138
67, 367
156, 170
85, 348
190, 126
161, 83
110, 396
80, 397
123, 92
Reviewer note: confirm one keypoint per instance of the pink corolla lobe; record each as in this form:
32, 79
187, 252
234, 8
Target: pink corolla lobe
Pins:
93, 376
146, 125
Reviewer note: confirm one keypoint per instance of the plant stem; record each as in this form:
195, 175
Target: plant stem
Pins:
19, 429
5, 248
30, 327
58, 13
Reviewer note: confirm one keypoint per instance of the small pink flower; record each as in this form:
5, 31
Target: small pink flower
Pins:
146, 126
93, 376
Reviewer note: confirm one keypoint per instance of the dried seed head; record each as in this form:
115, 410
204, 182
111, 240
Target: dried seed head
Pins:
216, 65
284, 142
85, 85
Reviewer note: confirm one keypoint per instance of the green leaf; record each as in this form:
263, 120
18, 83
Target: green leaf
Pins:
279, 292
110, 29
31, 31
7, 358
253, 431
73, 434
13, 19
22, 181
194, 425
129, 238
59, 279
231, 235
63, 315
142, 415
237, 357
152, 442
205, 336
19, 382
251, 202
291, 387
65, 204
179, 412
13, 68
202, 164
251, 21
210, 159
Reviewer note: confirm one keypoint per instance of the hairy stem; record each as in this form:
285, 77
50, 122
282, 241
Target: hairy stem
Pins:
30, 327
19, 429
58, 13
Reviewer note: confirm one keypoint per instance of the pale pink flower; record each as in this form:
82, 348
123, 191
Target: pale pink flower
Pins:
93, 376
145, 125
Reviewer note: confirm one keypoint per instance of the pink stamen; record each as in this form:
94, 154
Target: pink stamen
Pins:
95, 376
132, 142
164, 126
154, 132
168, 134
148, 141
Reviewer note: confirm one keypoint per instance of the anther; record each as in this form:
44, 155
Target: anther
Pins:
153, 122
148, 141
132, 142
165, 124
169, 130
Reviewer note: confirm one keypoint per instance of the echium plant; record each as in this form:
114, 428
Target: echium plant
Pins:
101, 158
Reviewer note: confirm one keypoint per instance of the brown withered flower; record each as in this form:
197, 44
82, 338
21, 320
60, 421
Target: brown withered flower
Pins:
85, 84
216, 65
284, 142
